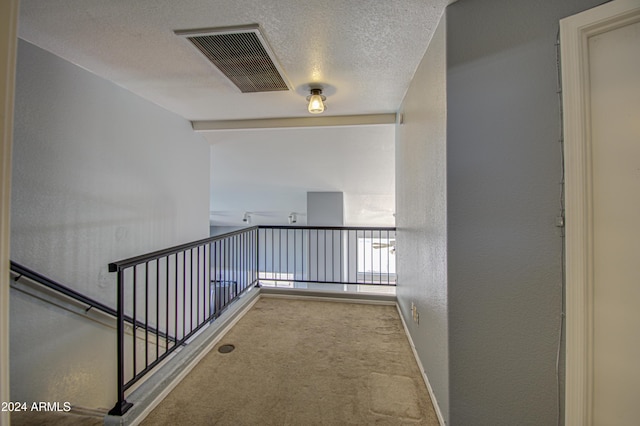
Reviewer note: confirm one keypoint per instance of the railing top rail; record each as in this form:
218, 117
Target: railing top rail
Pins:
332, 228
48, 282
136, 260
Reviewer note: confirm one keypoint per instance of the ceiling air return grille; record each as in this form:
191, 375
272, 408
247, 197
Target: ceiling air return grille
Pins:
242, 54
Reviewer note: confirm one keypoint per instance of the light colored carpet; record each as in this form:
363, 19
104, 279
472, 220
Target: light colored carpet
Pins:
302, 362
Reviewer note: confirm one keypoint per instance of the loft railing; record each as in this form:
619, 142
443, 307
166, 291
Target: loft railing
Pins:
335, 255
165, 297
174, 293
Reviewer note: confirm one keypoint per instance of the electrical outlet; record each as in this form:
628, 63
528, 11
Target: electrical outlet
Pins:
414, 313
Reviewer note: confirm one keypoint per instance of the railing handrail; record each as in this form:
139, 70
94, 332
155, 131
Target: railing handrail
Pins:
23, 271
136, 260
331, 228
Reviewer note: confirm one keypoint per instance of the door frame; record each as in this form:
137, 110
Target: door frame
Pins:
8, 47
575, 32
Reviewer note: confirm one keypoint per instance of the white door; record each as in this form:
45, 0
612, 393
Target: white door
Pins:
610, 222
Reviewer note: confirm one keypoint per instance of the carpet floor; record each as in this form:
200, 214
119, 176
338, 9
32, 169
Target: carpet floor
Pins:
304, 362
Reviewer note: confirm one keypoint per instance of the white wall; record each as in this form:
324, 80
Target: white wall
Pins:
99, 175
269, 172
421, 215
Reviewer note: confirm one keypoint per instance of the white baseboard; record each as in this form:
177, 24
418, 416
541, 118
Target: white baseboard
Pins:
436, 406
329, 297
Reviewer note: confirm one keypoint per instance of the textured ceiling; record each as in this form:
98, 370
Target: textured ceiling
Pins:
364, 52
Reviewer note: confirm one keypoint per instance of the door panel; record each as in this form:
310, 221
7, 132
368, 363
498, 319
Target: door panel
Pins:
614, 71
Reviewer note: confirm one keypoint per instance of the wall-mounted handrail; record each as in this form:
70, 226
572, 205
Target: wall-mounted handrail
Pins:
23, 271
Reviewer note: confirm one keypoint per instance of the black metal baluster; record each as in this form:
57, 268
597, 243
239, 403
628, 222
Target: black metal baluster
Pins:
122, 405
388, 257
215, 279
245, 260
235, 269
133, 325
324, 254
198, 286
191, 290
373, 255
357, 256
175, 313
333, 257
207, 282
146, 314
226, 271
255, 240
157, 308
223, 275
341, 260
231, 271
166, 313
184, 294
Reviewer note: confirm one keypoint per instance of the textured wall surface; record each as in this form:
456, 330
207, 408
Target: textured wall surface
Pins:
421, 215
99, 175
503, 193
57, 355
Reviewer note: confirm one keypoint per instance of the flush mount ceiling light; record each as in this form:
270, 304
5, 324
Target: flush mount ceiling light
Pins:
316, 101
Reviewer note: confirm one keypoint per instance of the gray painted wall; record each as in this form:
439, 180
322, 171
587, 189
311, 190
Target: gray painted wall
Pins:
325, 208
421, 216
503, 194
99, 174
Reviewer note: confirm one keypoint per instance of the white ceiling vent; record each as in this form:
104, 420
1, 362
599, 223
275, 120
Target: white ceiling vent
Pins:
242, 54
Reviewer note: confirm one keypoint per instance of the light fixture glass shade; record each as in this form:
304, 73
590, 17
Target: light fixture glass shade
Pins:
316, 101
